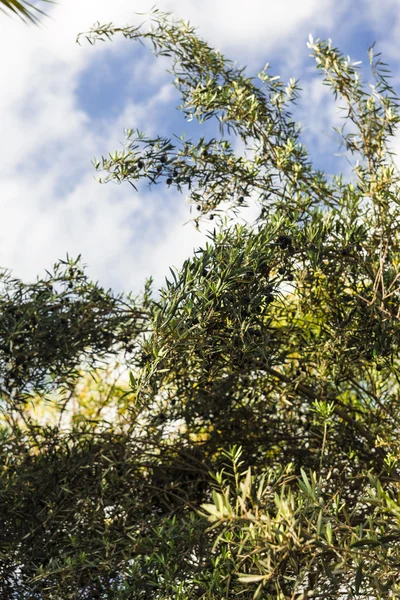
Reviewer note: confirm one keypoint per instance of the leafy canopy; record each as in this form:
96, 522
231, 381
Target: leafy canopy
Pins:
255, 452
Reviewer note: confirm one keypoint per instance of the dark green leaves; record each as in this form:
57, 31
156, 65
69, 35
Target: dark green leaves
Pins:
255, 453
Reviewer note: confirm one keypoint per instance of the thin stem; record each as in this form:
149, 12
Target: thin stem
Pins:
323, 445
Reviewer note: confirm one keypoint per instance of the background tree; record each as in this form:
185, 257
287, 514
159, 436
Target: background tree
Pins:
255, 452
25, 10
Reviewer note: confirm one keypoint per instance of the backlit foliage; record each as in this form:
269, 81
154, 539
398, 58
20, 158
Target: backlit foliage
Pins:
254, 453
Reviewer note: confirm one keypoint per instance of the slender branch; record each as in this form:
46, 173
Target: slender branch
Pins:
341, 413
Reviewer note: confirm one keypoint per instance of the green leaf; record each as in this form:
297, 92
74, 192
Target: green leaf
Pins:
359, 577
247, 578
365, 542
246, 485
328, 532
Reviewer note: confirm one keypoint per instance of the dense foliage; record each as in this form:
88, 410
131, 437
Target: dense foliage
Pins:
254, 452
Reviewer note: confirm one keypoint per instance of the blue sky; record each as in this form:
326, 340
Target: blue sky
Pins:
62, 104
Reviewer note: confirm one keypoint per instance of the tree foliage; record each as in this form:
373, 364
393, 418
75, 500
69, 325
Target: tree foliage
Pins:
255, 451
23, 9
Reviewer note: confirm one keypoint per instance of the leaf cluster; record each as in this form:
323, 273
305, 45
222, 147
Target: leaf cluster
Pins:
255, 452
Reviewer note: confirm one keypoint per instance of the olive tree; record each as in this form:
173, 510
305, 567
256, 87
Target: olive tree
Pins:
258, 454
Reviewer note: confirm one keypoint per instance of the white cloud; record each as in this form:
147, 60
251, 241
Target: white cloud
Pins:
256, 25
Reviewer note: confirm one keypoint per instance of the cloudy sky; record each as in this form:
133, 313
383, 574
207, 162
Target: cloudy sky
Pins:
62, 104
